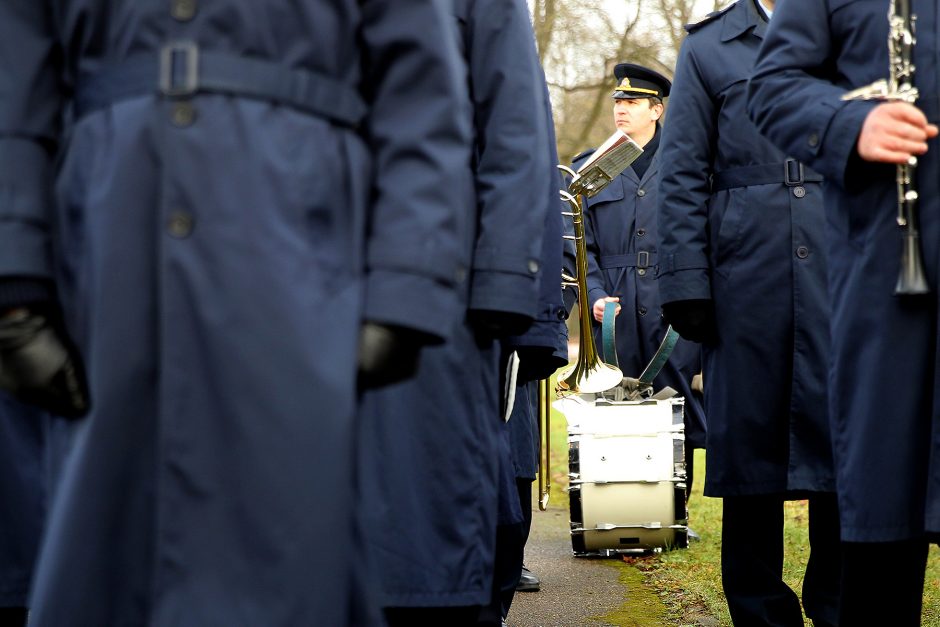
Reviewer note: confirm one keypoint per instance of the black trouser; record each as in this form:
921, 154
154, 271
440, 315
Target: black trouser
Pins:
510, 547
752, 562
525, 500
882, 583
508, 589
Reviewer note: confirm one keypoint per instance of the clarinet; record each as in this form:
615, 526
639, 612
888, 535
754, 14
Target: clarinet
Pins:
900, 87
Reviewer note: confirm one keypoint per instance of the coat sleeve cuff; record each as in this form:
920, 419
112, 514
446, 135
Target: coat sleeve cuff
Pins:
25, 199
839, 157
561, 345
415, 302
504, 291
684, 285
540, 334
594, 294
23, 291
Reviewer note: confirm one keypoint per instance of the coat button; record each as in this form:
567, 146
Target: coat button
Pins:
813, 140
641, 271
799, 191
533, 266
183, 10
640, 232
802, 252
641, 192
643, 311
183, 114
180, 224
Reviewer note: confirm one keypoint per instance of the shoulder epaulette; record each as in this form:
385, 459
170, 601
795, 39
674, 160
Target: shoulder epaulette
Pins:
711, 17
584, 155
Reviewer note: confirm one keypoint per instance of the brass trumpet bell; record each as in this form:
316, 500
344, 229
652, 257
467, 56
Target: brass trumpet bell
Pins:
588, 374
589, 378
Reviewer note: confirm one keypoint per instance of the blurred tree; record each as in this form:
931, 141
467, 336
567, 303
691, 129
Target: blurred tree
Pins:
677, 13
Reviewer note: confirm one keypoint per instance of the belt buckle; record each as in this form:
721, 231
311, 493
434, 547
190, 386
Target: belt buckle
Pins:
787, 179
643, 259
177, 54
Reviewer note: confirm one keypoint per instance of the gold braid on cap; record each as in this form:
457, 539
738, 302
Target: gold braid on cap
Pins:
626, 86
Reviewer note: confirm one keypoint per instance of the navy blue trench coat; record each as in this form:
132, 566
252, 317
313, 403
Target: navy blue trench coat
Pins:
735, 229
620, 233
543, 348
435, 450
223, 214
885, 412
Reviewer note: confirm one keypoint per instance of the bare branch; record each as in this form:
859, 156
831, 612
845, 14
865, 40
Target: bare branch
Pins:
575, 88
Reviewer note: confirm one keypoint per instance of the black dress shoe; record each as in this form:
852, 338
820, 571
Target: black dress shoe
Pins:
528, 581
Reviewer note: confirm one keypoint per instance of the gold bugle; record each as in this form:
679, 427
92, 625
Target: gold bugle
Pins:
588, 373
545, 442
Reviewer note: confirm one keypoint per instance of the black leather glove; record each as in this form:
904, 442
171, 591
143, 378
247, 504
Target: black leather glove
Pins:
387, 354
498, 324
39, 365
692, 319
537, 363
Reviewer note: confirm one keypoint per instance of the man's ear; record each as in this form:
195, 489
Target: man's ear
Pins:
657, 110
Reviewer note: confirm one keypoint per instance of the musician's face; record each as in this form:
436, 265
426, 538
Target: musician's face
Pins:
637, 116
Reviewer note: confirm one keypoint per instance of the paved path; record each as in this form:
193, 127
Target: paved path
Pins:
580, 591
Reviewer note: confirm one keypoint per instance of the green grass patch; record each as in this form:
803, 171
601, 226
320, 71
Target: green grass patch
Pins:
642, 607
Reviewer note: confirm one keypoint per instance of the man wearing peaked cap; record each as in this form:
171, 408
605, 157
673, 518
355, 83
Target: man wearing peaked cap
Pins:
622, 241
638, 106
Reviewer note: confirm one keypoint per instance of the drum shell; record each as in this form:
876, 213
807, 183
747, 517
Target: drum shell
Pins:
627, 471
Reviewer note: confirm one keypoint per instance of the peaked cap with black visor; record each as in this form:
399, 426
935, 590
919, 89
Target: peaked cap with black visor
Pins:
636, 81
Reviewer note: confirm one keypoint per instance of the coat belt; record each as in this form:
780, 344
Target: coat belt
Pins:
642, 259
181, 70
790, 173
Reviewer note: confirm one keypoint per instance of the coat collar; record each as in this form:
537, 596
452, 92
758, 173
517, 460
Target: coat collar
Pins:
652, 169
742, 18
650, 151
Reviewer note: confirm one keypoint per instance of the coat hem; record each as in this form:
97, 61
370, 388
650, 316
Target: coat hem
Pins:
890, 533
14, 591
436, 599
789, 492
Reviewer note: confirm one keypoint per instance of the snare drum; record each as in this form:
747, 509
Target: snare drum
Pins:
626, 463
